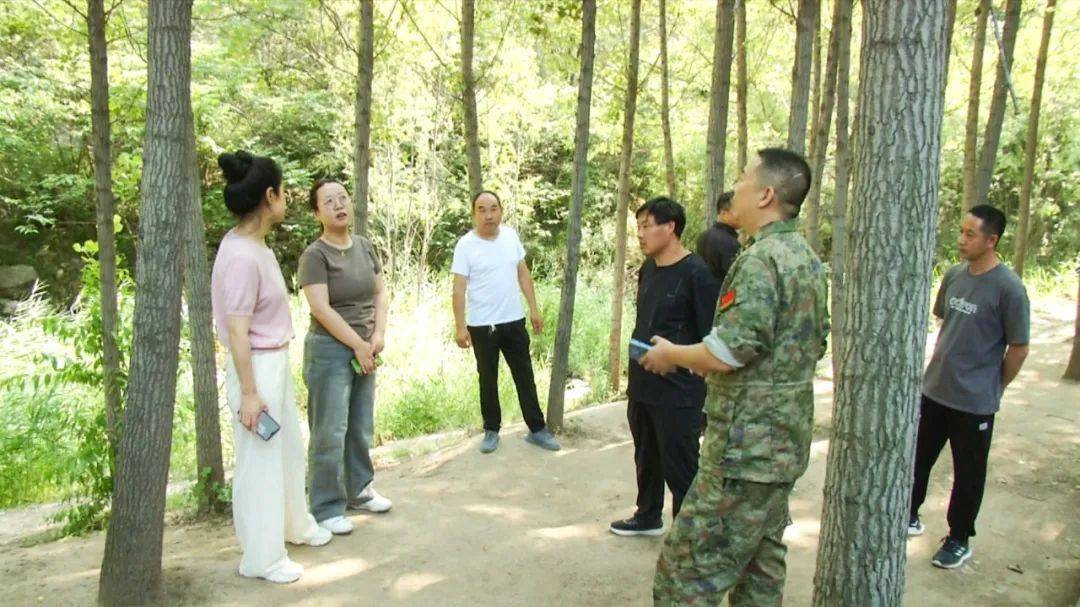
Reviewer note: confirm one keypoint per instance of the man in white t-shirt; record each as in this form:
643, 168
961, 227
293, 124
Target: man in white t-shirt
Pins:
490, 274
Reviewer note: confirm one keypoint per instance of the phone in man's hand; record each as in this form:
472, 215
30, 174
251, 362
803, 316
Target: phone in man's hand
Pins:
638, 349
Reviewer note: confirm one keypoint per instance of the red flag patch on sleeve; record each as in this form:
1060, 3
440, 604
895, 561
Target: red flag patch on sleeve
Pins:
727, 299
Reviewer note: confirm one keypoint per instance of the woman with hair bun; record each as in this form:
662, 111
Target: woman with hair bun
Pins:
251, 312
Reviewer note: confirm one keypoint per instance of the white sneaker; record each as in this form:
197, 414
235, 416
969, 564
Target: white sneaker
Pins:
320, 537
286, 573
370, 500
338, 525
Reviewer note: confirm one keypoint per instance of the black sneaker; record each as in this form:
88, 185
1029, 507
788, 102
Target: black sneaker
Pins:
635, 526
952, 554
915, 526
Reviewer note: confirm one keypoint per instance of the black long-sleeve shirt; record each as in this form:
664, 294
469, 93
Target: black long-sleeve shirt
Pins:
676, 302
719, 246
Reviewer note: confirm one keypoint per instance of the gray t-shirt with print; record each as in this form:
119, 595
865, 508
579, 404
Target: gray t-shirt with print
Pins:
982, 315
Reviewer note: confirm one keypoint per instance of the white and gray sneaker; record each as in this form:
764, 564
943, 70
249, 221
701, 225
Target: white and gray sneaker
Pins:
915, 527
338, 525
952, 554
370, 500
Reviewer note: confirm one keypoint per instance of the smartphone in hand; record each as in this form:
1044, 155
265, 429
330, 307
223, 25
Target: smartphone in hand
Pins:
360, 370
638, 349
265, 426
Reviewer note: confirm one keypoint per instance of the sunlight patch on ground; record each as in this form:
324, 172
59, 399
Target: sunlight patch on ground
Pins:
337, 570
567, 532
507, 512
802, 532
411, 583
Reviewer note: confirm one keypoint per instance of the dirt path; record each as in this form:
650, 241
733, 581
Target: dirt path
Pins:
526, 527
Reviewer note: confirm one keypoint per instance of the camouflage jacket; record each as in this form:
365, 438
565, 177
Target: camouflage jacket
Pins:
771, 325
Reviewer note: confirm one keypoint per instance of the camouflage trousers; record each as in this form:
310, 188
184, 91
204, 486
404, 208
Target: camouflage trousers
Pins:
728, 537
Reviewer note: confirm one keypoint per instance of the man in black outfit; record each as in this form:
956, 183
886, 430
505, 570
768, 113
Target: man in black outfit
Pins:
676, 300
719, 245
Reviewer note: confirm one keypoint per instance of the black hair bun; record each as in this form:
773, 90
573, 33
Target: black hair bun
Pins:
235, 166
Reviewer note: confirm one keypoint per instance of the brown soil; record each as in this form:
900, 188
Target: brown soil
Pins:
527, 527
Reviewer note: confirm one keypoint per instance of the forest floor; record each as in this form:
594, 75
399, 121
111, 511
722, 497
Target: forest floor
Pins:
528, 527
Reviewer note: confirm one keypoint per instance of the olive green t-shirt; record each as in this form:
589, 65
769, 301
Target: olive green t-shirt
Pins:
349, 276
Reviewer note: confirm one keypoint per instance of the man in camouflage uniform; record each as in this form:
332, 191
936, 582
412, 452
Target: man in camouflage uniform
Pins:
770, 330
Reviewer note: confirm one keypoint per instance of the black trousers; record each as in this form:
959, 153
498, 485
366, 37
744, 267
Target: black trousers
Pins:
512, 339
665, 449
968, 436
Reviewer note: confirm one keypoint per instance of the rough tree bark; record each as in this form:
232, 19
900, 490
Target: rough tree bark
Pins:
211, 471
740, 83
665, 108
561, 363
615, 346
716, 141
96, 21
131, 568
971, 128
820, 137
800, 74
1032, 144
992, 136
840, 197
362, 115
861, 556
468, 96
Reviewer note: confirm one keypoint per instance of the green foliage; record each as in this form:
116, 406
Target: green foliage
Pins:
61, 405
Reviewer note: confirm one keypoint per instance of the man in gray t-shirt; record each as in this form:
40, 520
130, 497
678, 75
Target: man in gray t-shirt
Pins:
981, 346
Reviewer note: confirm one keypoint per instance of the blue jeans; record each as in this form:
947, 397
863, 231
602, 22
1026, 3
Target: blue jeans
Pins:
341, 417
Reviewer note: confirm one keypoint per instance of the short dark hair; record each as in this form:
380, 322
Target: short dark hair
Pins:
247, 178
723, 201
993, 220
481, 193
665, 210
788, 174
313, 193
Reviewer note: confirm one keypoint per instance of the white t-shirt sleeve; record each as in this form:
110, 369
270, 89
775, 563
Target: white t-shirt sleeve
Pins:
460, 265
519, 250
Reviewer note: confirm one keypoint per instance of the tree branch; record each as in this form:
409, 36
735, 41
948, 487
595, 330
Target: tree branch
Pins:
408, 13
336, 20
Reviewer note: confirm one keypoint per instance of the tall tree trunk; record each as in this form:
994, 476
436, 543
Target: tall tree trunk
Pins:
740, 83
561, 363
211, 471
615, 347
665, 108
1072, 371
843, 162
716, 142
815, 85
1032, 142
950, 25
820, 137
992, 136
861, 555
131, 568
971, 128
362, 115
800, 74
468, 95
96, 21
